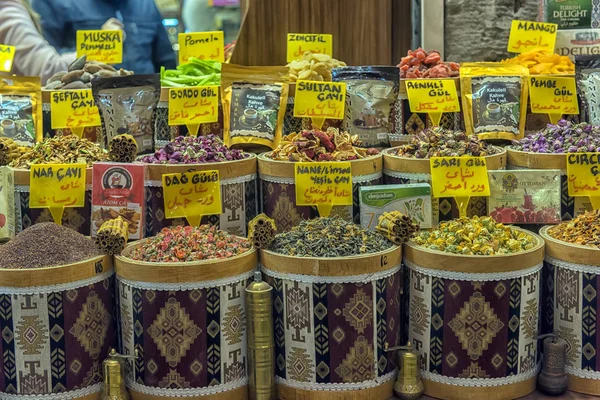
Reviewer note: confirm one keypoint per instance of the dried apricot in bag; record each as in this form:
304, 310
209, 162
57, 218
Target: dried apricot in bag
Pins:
494, 99
254, 103
21, 109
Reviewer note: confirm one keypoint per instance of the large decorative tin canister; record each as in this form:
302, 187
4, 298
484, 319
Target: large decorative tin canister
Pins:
78, 219
415, 170
573, 281
238, 195
56, 327
279, 191
475, 321
332, 319
187, 322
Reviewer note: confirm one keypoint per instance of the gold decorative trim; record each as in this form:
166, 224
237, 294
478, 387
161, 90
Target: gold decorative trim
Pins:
240, 393
451, 392
440, 260
285, 169
381, 392
585, 386
524, 159
569, 252
227, 169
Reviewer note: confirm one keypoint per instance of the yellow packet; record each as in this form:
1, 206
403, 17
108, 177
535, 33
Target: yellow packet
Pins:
21, 109
494, 99
254, 102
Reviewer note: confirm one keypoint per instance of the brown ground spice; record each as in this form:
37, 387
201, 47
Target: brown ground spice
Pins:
46, 245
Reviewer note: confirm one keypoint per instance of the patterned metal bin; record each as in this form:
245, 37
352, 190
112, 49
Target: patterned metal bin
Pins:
332, 318
279, 191
475, 321
57, 328
188, 323
574, 278
78, 218
412, 170
238, 195
570, 207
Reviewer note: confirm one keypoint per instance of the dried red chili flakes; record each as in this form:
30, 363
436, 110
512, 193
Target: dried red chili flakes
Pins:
422, 64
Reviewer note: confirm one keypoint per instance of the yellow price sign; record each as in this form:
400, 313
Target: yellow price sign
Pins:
529, 35
7, 56
459, 177
324, 184
102, 46
432, 96
192, 106
320, 101
56, 186
202, 45
192, 195
553, 95
583, 176
73, 109
298, 43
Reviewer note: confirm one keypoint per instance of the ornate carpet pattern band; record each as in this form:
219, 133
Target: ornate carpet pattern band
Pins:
330, 332
475, 329
191, 340
54, 341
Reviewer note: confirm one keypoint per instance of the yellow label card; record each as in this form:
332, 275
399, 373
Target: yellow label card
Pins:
56, 186
73, 109
7, 56
202, 45
432, 96
530, 35
553, 95
192, 106
320, 100
583, 173
192, 195
298, 43
459, 176
323, 184
103, 46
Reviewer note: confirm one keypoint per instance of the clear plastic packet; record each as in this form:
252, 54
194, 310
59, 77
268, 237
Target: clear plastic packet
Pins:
587, 75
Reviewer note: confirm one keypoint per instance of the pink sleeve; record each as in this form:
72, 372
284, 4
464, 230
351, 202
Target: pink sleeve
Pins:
34, 55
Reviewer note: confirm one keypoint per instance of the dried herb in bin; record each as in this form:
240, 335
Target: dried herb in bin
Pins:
194, 150
564, 137
583, 230
440, 142
46, 245
328, 237
187, 243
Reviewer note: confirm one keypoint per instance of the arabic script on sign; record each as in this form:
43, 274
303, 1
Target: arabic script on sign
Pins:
583, 172
7, 56
432, 95
553, 95
192, 195
56, 186
73, 109
323, 185
202, 45
100, 45
298, 43
193, 105
530, 35
459, 176
320, 100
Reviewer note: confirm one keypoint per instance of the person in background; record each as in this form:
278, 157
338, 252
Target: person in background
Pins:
19, 27
198, 16
147, 47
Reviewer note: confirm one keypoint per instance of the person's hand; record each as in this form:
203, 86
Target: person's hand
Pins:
113, 24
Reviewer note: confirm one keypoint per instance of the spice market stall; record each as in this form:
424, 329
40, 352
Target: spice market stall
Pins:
181, 303
56, 307
474, 292
336, 303
572, 250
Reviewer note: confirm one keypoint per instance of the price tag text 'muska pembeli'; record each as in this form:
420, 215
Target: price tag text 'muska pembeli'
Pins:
432, 96
202, 45
103, 46
56, 186
7, 56
192, 195
529, 35
553, 95
320, 100
73, 109
583, 176
323, 185
298, 43
192, 106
